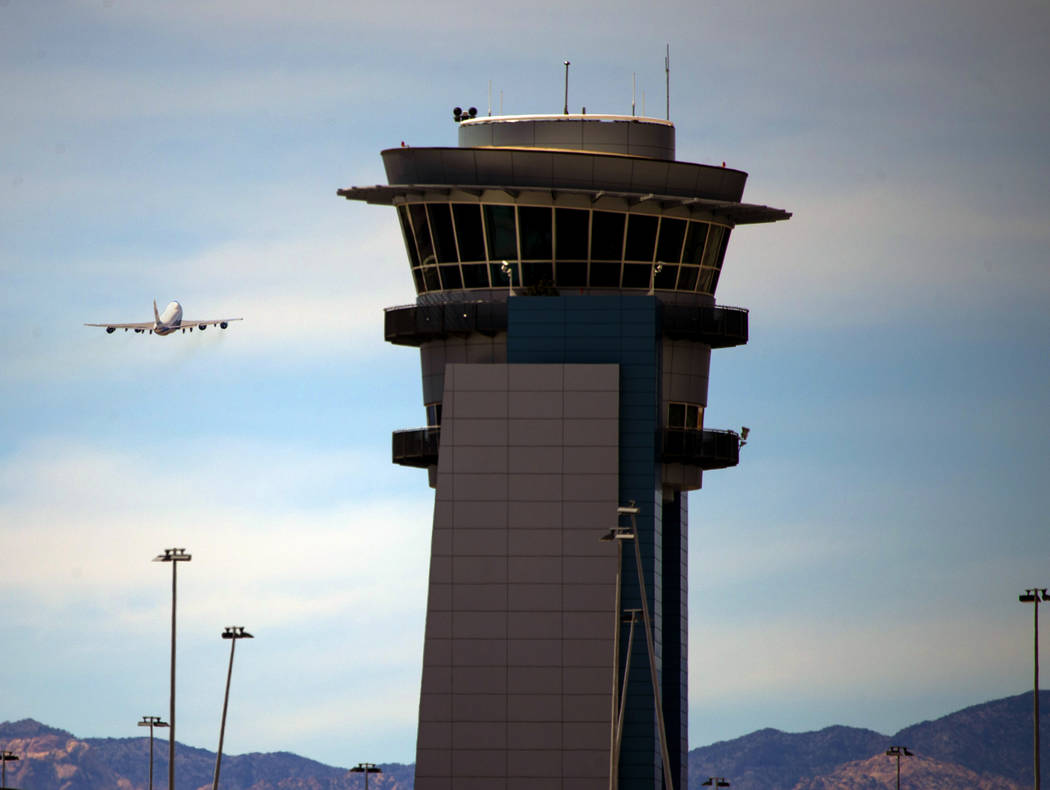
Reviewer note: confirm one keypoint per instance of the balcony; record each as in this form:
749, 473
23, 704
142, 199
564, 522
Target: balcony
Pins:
417, 447
413, 325
705, 449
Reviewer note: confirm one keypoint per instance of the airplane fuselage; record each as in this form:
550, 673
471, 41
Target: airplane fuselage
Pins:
168, 321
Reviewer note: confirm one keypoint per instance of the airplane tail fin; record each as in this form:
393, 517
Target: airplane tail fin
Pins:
156, 315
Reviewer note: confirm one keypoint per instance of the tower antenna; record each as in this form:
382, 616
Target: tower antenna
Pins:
566, 109
490, 98
634, 90
667, 74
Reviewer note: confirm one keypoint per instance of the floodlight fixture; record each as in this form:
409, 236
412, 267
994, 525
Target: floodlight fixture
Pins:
5, 757
715, 781
898, 752
151, 722
655, 270
508, 270
1035, 595
174, 556
233, 633
366, 769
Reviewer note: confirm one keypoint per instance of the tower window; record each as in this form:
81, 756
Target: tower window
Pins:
685, 416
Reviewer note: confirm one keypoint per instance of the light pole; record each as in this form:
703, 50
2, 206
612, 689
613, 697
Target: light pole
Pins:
233, 633
1034, 596
151, 722
715, 781
366, 769
174, 556
618, 534
6, 756
898, 752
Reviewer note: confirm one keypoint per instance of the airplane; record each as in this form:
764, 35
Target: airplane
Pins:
169, 321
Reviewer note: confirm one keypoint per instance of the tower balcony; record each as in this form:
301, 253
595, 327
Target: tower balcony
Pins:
413, 325
706, 449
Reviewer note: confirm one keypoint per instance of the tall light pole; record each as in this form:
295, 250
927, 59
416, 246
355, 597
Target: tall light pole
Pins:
233, 633
174, 556
366, 769
6, 756
1034, 596
898, 752
618, 534
151, 722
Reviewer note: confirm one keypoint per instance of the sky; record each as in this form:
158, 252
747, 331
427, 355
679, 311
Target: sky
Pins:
860, 566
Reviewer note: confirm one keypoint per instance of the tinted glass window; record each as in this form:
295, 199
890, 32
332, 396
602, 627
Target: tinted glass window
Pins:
535, 232
641, 238
572, 273
605, 275
430, 278
441, 229
417, 275
694, 243
669, 247
468, 231
502, 238
406, 228
537, 273
687, 278
450, 279
607, 236
475, 275
714, 246
422, 232
676, 415
571, 227
636, 275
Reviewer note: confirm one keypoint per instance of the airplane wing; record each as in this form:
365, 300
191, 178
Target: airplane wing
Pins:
187, 323
144, 325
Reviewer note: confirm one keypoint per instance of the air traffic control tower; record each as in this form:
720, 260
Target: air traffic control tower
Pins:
565, 268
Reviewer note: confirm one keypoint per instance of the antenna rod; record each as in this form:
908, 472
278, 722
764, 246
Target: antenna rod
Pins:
634, 90
490, 98
566, 109
667, 73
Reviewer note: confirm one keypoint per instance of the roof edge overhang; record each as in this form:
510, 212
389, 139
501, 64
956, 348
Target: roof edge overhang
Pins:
734, 213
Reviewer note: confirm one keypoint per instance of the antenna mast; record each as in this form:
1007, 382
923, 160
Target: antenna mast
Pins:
667, 73
566, 109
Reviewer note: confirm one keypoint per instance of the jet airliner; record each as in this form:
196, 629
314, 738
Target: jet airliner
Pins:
169, 321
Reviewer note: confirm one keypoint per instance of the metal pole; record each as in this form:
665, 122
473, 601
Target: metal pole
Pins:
171, 703
623, 697
1035, 694
222, 726
613, 772
657, 696
898, 771
565, 110
151, 756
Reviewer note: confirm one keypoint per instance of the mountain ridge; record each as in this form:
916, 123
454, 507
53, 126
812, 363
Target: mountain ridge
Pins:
987, 746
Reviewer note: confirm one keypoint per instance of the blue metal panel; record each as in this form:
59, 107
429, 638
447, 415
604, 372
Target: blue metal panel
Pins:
623, 329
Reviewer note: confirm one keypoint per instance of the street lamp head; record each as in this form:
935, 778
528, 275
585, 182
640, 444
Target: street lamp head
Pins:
715, 781
173, 555
152, 721
366, 768
899, 751
7, 756
236, 632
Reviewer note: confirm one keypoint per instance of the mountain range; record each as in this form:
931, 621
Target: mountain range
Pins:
983, 747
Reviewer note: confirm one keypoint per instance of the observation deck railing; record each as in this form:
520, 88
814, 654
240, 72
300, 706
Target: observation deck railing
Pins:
413, 325
707, 449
